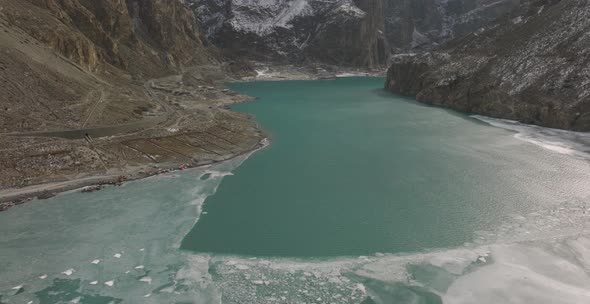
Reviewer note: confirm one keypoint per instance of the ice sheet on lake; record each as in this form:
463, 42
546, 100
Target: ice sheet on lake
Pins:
547, 252
353, 74
127, 232
546, 272
559, 141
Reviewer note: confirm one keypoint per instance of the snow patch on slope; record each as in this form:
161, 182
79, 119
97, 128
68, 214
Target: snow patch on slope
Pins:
268, 14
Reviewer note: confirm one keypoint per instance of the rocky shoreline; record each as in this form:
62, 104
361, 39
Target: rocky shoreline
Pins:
101, 93
14, 196
194, 128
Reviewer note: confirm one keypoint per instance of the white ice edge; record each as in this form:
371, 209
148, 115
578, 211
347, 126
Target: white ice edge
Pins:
382, 266
559, 141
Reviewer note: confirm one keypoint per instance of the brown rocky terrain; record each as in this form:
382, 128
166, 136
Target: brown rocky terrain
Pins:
533, 67
86, 93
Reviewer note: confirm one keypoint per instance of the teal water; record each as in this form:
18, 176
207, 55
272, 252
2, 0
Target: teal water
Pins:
354, 170
362, 197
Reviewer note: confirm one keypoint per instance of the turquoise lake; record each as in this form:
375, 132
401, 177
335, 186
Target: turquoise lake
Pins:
354, 170
362, 197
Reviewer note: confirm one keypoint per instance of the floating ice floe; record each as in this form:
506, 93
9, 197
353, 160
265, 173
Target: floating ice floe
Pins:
110, 283
362, 288
559, 141
354, 74
95, 262
93, 283
43, 277
146, 280
76, 300
167, 289
147, 295
69, 272
139, 267
117, 255
17, 287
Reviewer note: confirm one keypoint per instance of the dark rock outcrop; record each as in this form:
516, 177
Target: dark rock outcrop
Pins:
533, 67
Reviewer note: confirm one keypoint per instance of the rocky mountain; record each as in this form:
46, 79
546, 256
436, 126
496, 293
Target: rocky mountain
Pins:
359, 33
424, 24
338, 32
56, 52
533, 67
112, 87
141, 37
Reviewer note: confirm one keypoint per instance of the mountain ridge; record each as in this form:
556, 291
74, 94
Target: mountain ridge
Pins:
533, 68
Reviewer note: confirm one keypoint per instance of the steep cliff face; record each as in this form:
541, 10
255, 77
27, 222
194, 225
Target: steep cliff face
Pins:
141, 37
58, 54
534, 68
341, 32
424, 24
351, 37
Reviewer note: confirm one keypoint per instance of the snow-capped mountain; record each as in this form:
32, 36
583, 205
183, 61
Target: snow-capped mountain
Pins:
340, 32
